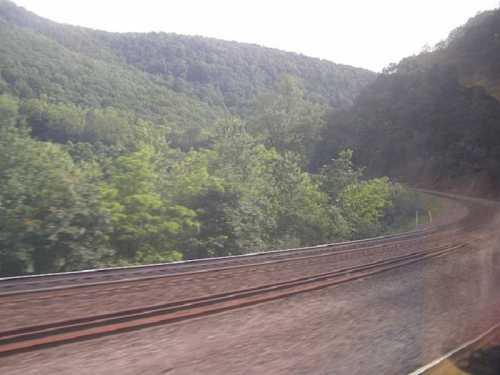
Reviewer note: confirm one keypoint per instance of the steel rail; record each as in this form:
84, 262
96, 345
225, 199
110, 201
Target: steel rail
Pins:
35, 337
204, 261
244, 263
76, 329
201, 275
10, 283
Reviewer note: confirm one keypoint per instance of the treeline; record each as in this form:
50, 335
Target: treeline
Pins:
33, 66
426, 119
138, 148
185, 79
472, 49
96, 187
419, 123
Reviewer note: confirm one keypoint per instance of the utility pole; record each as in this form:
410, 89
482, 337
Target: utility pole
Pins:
416, 219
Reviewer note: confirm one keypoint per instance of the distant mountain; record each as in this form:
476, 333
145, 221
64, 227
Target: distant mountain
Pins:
183, 79
432, 118
34, 65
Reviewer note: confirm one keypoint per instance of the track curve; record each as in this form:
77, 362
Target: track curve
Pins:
308, 269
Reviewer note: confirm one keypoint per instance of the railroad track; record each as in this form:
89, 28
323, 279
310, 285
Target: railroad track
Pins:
325, 269
33, 283
78, 279
39, 305
95, 276
241, 264
57, 333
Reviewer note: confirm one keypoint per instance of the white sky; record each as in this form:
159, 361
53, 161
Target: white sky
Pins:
364, 33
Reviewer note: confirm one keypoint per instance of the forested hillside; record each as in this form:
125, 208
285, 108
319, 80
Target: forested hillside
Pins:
432, 118
139, 148
220, 73
472, 50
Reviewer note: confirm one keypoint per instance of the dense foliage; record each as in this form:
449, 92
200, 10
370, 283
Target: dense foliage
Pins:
131, 148
33, 66
426, 119
167, 73
472, 50
49, 207
68, 200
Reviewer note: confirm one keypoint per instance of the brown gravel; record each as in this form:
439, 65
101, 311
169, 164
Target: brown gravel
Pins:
386, 324
40, 308
46, 307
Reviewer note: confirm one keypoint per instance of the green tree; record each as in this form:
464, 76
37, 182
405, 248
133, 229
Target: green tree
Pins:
304, 211
50, 219
9, 107
286, 120
279, 204
338, 174
54, 122
146, 225
364, 205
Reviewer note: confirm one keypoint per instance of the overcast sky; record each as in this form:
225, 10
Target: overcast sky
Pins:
369, 34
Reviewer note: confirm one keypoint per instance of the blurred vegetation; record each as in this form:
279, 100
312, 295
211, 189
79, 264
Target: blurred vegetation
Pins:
431, 118
183, 80
127, 149
75, 195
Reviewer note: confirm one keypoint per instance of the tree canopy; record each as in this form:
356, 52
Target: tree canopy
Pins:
140, 148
